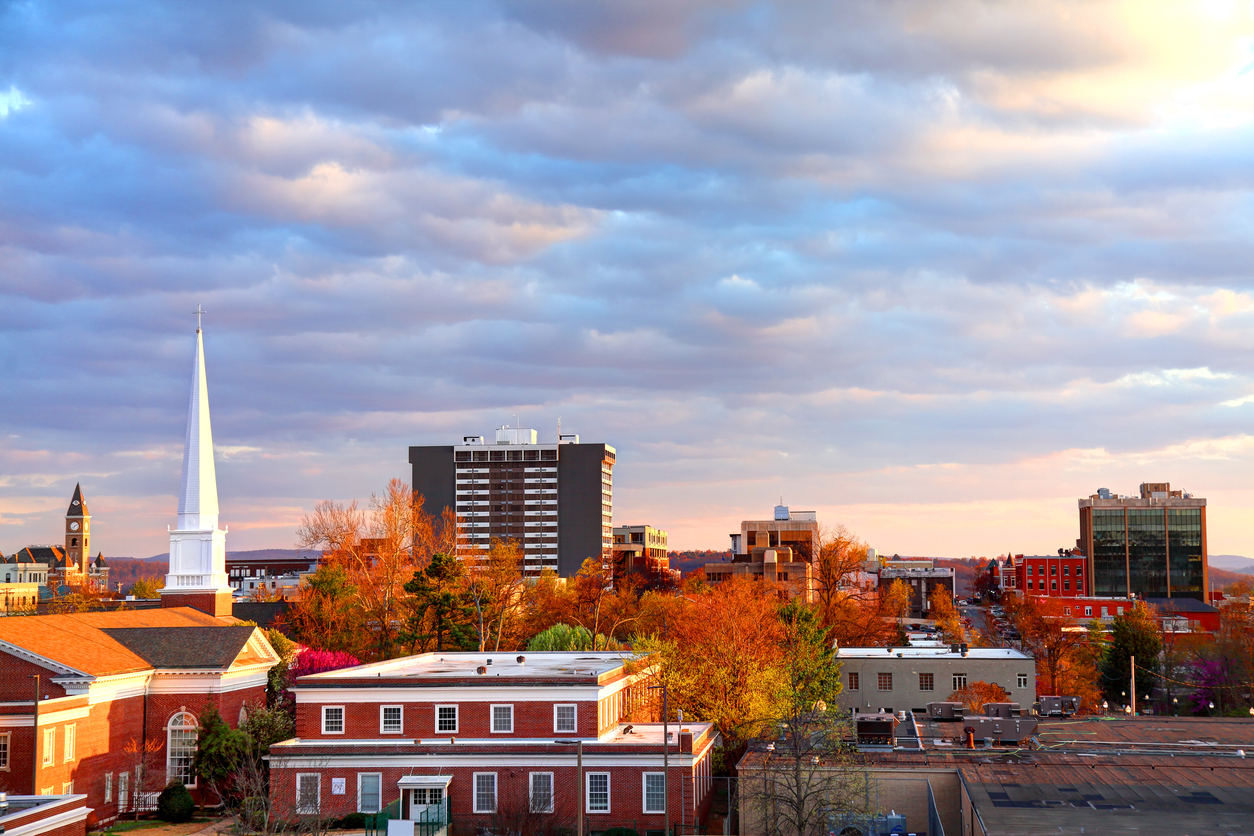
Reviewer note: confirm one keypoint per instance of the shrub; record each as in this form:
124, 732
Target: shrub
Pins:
353, 821
175, 803
619, 831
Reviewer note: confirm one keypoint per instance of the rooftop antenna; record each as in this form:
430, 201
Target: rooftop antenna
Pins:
559, 428
199, 313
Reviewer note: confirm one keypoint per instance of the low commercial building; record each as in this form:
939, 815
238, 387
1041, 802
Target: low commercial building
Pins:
908, 678
1056, 576
492, 743
923, 578
641, 550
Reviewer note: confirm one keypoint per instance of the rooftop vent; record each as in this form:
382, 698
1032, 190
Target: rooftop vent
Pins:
481, 670
568, 438
522, 660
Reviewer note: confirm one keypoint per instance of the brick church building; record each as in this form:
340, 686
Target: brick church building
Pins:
107, 704
494, 743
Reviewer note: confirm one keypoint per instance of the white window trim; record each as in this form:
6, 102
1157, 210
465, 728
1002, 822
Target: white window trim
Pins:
343, 719
7, 737
108, 794
382, 728
457, 718
644, 792
571, 705
317, 800
50, 747
587, 793
531, 790
67, 744
492, 717
378, 775
474, 792
192, 778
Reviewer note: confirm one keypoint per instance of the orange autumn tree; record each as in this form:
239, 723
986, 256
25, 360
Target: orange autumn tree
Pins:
1065, 661
977, 693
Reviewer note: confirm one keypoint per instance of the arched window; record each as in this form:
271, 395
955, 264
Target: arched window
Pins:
180, 748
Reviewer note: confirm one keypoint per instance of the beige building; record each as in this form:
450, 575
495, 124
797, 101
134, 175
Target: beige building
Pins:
798, 530
18, 597
908, 678
778, 566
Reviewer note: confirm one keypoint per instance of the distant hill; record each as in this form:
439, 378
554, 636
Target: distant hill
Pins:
252, 554
1235, 562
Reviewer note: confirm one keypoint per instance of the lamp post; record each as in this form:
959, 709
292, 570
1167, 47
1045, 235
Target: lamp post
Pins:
1175, 706
666, 749
1105, 707
578, 744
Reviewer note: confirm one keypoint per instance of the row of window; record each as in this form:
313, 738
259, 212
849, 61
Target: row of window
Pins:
50, 746
927, 681
1053, 570
540, 792
1054, 583
392, 719
1088, 611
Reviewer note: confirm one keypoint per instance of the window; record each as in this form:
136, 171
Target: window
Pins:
485, 792
1078, 570
960, 681
502, 719
541, 793
1053, 585
1119, 610
1067, 586
1029, 583
1066, 610
108, 787
180, 749
563, 718
926, 682
369, 792
1029, 571
50, 744
853, 681
885, 681
1066, 571
4, 751
655, 792
1088, 610
67, 788
123, 797
1023, 680
598, 792
1053, 571
69, 743
308, 792
332, 719
390, 721
446, 718
1105, 611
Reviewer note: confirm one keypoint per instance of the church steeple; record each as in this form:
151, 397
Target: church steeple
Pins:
197, 575
198, 491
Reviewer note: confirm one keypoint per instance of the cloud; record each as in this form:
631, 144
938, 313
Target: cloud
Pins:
871, 255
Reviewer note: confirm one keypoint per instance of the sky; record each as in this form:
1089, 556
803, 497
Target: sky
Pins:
935, 270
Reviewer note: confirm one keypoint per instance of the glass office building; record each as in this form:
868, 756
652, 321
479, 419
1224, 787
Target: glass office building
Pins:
1151, 546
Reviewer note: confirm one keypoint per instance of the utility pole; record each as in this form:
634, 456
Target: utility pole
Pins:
1132, 662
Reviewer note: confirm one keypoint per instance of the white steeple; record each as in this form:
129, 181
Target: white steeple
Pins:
198, 492
198, 547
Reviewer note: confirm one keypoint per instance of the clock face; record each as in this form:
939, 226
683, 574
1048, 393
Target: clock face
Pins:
73, 526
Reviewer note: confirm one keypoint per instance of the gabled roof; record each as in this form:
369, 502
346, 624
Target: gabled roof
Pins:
186, 647
82, 641
50, 556
78, 508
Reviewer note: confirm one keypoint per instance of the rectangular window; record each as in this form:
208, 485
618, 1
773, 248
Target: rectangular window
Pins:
1023, 680
960, 681
69, 742
485, 792
1066, 571
655, 792
1029, 571
1105, 612
541, 792
1066, 610
308, 793
446, 718
1030, 583
1053, 585
390, 719
108, 787
564, 718
369, 792
4, 751
67, 788
853, 681
598, 792
926, 682
1053, 571
50, 745
1119, 610
1067, 586
885, 681
502, 719
332, 719
123, 795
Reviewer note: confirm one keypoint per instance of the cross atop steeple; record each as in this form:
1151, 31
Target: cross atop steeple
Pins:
199, 313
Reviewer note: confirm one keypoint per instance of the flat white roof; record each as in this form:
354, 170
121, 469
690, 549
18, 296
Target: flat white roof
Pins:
929, 653
463, 665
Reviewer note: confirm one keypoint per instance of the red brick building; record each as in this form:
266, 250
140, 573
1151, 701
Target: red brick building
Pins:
44, 815
111, 684
489, 741
1055, 576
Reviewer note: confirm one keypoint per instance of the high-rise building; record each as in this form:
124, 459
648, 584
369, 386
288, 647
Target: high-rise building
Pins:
555, 499
197, 575
1151, 546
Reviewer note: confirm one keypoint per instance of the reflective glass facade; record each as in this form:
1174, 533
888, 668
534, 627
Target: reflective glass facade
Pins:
1185, 545
1110, 552
1147, 551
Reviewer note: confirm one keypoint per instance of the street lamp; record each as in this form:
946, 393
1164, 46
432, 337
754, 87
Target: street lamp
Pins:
1211, 705
1105, 707
666, 750
578, 744
1175, 706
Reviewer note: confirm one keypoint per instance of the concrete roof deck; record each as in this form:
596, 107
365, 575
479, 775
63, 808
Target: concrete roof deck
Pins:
462, 666
916, 652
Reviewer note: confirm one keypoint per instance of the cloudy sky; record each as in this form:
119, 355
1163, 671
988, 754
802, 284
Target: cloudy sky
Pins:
935, 269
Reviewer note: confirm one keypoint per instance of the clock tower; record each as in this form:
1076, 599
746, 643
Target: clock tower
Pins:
77, 534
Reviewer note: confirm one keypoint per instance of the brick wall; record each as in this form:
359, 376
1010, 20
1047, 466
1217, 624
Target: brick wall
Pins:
361, 720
